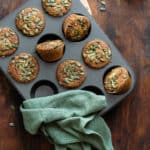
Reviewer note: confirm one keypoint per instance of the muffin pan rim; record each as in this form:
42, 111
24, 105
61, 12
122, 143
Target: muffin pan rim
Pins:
82, 10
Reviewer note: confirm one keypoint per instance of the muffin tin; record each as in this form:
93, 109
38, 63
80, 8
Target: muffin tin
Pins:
46, 82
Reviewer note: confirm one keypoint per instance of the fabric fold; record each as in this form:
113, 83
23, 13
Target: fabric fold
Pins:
69, 119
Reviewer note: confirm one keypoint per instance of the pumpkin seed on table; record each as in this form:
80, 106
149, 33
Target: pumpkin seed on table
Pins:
102, 8
102, 4
12, 124
12, 107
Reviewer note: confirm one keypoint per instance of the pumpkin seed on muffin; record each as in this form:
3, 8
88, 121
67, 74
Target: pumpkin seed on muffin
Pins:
71, 74
9, 41
76, 27
117, 81
96, 53
30, 21
57, 8
23, 68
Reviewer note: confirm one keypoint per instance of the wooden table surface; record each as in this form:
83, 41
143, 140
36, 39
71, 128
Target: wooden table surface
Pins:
127, 23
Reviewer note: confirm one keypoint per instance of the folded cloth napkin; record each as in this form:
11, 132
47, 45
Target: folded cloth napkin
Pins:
69, 119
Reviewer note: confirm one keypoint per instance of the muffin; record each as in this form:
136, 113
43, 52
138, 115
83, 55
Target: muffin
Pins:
9, 41
23, 68
96, 53
71, 74
57, 8
117, 81
51, 51
76, 27
30, 21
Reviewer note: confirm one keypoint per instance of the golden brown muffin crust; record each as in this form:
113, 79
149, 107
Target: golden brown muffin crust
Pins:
96, 53
57, 8
30, 21
9, 41
76, 27
51, 51
23, 68
71, 74
117, 81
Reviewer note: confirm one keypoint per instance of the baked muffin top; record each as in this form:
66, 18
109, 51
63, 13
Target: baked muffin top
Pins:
71, 74
30, 21
96, 53
117, 81
57, 8
51, 50
23, 68
9, 41
76, 27
50, 44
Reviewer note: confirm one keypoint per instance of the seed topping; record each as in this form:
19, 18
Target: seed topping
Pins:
73, 72
8, 40
25, 65
31, 21
96, 53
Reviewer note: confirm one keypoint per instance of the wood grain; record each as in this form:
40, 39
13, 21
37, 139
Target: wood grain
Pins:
127, 23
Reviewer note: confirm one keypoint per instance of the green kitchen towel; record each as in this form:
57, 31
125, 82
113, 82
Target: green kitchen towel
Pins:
69, 119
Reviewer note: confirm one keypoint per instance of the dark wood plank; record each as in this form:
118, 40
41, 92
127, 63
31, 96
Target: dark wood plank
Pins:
127, 23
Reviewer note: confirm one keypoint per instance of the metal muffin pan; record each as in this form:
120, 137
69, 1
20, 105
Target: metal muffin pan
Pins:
46, 82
